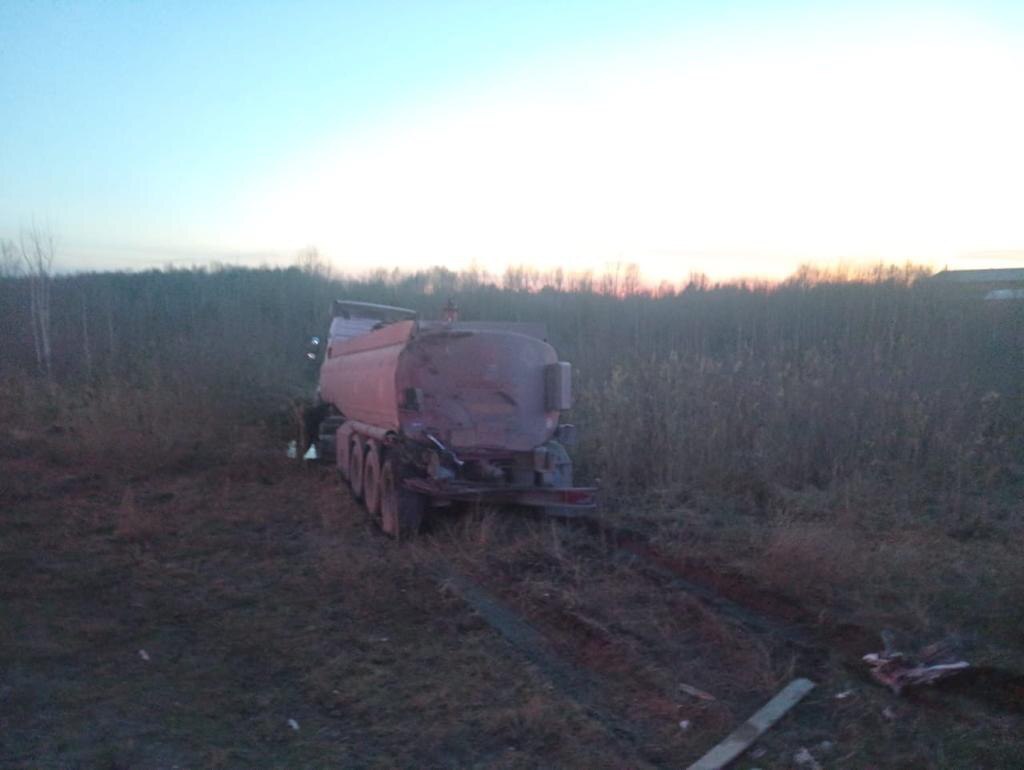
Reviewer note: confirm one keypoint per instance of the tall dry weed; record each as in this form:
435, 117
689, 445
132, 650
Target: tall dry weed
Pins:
743, 388
813, 560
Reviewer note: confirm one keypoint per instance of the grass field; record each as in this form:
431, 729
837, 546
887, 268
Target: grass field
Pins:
840, 456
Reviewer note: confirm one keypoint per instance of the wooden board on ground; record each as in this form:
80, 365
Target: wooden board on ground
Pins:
739, 740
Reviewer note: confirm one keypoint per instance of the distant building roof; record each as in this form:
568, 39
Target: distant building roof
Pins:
998, 275
1001, 294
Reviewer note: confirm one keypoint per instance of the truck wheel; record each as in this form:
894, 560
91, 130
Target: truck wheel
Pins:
355, 467
401, 511
371, 478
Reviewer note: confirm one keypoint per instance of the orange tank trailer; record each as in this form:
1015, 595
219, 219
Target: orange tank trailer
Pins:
418, 414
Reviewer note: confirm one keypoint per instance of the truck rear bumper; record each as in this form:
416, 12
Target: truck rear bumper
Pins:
560, 497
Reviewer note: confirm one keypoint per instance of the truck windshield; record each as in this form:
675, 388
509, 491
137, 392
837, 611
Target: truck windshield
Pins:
347, 328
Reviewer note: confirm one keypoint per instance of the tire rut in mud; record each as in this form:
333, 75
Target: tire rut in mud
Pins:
583, 687
818, 645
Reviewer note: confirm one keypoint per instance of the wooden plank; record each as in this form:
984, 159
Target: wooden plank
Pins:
740, 739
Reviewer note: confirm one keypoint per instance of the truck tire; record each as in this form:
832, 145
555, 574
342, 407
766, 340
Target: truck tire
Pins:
371, 478
401, 511
355, 467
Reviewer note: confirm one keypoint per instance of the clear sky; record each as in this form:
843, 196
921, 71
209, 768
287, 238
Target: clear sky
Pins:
728, 137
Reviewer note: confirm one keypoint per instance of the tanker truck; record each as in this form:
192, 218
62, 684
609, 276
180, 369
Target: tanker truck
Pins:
420, 414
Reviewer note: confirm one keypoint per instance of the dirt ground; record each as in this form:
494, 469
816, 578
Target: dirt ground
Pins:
249, 615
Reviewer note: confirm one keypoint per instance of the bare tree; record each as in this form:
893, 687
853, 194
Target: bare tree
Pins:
632, 283
37, 252
311, 261
86, 347
10, 259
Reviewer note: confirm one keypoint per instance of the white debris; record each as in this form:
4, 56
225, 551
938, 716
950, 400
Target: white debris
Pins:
844, 694
684, 724
293, 724
311, 453
689, 689
804, 758
897, 670
144, 655
293, 449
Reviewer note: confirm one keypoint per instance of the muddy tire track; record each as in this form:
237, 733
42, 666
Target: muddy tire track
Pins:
583, 687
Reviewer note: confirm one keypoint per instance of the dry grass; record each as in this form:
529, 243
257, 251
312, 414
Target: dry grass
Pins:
740, 389
856, 448
924, 579
135, 523
256, 600
266, 595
